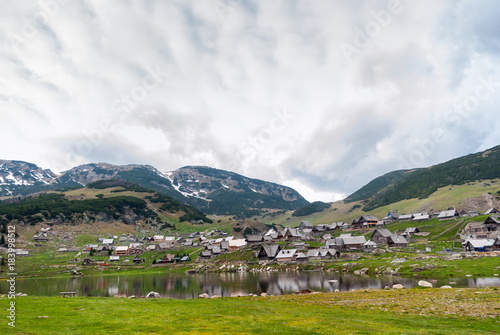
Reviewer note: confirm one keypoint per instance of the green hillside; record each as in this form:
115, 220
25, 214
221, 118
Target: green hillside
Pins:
105, 201
421, 183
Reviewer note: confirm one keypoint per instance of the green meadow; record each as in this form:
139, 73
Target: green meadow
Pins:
407, 311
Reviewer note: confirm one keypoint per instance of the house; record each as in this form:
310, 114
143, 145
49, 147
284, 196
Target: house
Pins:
291, 234
185, 258
366, 220
158, 238
268, 251
380, 235
41, 237
406, 217
168, 258
412, 230
90, 247
107, 241
122, 250
479, 245
491, 211
135, 248
397, 241
391, 217
254, 238
318, 254
152, 247
354, 243
369, 246
419, 217
492, 223
137, 260
448, 214
21, 252
87, 261
306, 225
163, 246
236, 244
301, 257
114, 258
286, 255
206, 254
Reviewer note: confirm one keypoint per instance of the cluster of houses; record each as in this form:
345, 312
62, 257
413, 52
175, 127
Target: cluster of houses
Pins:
482, 236
477, 236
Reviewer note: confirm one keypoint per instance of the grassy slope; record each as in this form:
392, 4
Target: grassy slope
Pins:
415, 311
449, 196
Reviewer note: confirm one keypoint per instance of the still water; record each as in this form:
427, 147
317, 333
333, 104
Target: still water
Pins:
182, 286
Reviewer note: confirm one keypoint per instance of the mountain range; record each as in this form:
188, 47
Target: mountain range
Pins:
220, 192
212, 191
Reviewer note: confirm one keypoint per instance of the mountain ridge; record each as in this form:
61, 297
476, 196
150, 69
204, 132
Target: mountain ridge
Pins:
420, 183
219, 192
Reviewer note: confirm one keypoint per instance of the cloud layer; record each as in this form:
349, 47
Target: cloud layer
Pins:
320, 95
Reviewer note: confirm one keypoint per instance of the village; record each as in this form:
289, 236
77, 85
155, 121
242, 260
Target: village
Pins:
301, 244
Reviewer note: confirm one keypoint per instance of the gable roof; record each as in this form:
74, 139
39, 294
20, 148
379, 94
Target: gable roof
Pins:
286, 253
382, 231
271, 250
447, 214
480, 243
397, 239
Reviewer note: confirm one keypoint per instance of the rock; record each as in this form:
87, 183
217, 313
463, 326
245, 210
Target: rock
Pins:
306, 291
204, 296
215, 296
132, 297
336, 291
387, 288
495, 274
153, 294
446, 286
43, 317
263, 294
423, 283
397, 286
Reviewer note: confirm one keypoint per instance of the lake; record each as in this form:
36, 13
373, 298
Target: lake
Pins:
181, 286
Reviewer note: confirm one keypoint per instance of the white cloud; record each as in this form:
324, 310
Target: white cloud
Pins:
233, 65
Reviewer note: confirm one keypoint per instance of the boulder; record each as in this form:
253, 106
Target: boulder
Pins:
398, 286
215, 296
153, 294
132, 297
423, 283
204, 296
263, 294
446, 286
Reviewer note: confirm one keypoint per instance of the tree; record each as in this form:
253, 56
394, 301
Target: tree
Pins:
2, 240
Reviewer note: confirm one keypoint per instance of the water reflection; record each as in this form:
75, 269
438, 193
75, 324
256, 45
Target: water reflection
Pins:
224, 284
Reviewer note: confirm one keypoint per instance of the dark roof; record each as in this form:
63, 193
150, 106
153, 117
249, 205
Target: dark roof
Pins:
271, 250
384, 232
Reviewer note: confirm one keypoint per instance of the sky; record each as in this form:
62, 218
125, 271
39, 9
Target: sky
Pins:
322, 95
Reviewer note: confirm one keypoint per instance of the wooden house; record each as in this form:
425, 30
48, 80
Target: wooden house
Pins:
122, 250
479, 245
268, 251
254, 238
448, 214
397, 241
41, 237
381, 235
286, 255
366, 221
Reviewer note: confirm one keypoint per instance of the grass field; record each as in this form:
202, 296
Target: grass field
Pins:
408, 311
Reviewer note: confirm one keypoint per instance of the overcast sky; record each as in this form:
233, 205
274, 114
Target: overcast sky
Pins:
320, 95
